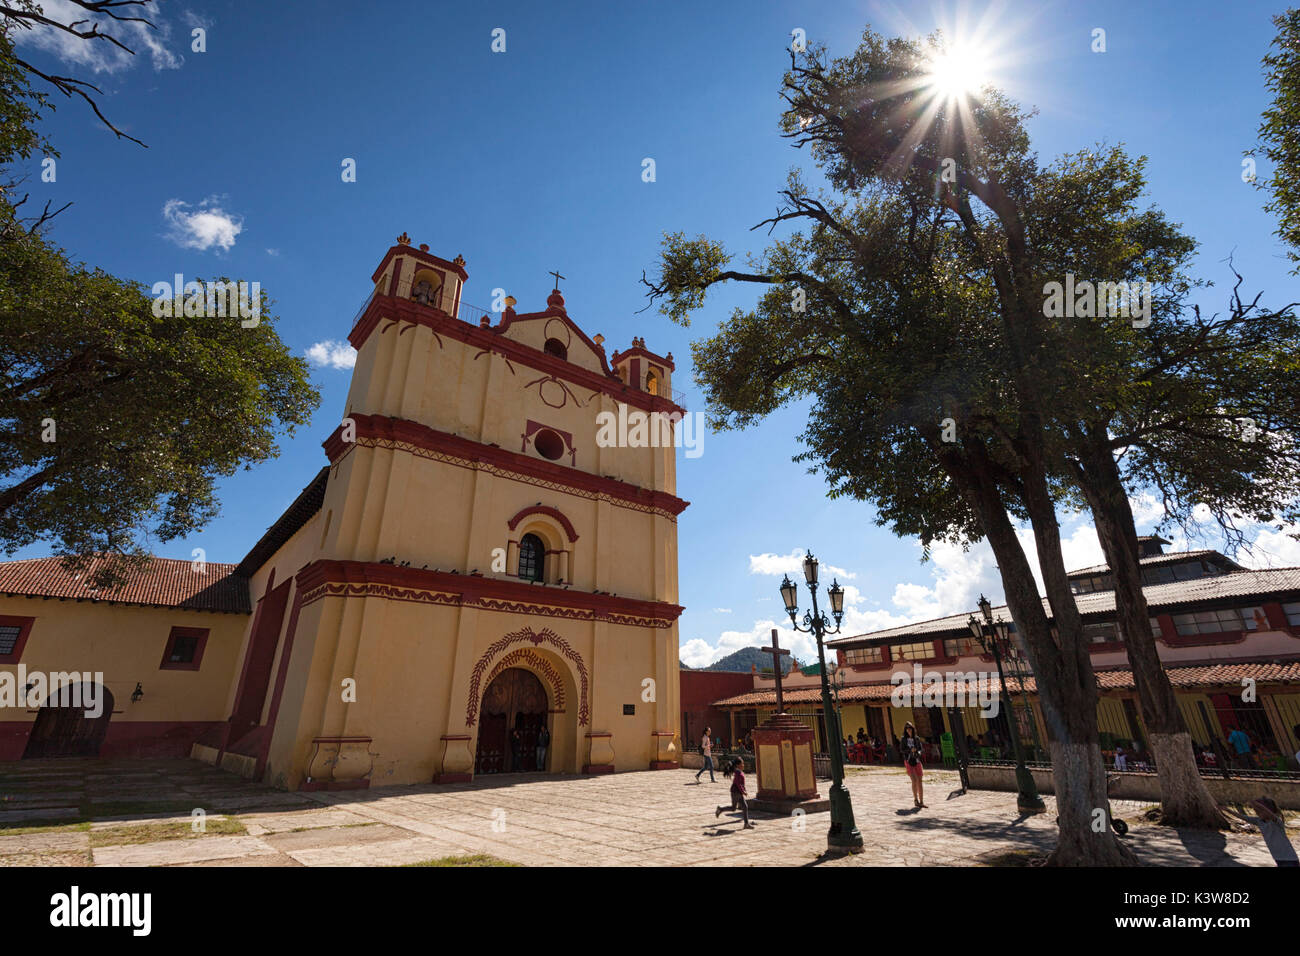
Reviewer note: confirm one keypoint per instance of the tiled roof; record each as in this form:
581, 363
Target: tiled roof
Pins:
164, 582
1208, 675
307, 503
1156, 560
1273, 582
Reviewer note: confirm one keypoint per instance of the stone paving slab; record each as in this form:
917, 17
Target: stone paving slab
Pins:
190, 850
633, 819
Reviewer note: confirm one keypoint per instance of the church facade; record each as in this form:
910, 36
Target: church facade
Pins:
475, 562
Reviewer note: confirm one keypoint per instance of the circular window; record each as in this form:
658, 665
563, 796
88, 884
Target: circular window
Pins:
556, 347
548, 444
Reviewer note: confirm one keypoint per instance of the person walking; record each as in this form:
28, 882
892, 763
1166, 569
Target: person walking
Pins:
736, 771
516, 750
1241, 745
911, 748
1272, 826
706, 748
543, 741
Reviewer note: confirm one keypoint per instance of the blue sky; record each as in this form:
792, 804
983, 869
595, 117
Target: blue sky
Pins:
530, 160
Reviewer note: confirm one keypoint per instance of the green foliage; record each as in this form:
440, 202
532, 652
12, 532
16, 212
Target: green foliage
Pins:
1279, 130
147, 412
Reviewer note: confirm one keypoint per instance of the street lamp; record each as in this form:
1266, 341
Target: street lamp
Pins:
843, 836
991, 634
837, 685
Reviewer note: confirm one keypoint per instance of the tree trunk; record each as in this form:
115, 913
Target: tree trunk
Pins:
1077, 757
1184, 797
1067, 689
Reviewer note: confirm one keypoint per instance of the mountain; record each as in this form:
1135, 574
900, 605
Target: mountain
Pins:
745, 659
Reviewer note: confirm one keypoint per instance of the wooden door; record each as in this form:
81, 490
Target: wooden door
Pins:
514, 701
64, 729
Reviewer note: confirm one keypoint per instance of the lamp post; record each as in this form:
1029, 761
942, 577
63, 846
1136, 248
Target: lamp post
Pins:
837, 685
843, 836
1027, 798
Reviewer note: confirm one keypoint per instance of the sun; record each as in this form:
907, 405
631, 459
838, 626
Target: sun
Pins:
958, 72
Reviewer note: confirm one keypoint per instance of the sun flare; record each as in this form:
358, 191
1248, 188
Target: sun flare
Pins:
958, 71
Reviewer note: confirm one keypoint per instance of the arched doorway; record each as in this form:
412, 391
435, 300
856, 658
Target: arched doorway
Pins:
64, 729
515, 700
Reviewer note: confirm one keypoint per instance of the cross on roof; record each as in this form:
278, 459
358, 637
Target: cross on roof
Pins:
777, 652
558, 277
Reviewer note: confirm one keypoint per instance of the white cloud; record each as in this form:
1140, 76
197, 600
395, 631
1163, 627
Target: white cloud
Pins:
722, 610
331, 354
202, 228
792, 563
272, 252
99, 55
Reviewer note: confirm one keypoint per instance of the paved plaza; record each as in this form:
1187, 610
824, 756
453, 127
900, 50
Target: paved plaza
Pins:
140, 813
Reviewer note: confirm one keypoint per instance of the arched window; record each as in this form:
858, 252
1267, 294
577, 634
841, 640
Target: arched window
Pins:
532, 557
652, 382
556, 347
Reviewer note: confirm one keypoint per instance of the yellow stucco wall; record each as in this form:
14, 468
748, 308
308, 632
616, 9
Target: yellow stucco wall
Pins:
125, 643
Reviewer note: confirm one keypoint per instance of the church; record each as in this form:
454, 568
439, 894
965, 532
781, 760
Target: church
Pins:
472, 564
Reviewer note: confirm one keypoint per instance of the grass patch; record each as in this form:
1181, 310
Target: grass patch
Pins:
145, 832
478, 859
64, 827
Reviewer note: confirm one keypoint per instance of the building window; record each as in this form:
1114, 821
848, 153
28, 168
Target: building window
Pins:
922, 651
1292, 612
184, 648
962, 647
557, 348
1155, 627
1103, 633
532, 557
1217, 622
864, 655
652, 382
13, 635
548, 444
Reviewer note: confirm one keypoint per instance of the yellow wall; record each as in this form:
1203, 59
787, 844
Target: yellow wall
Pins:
126, 644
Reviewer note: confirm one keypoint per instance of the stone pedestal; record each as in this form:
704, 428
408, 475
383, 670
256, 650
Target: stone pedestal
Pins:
666, 752
457, 761
600, 752
339, 763
783, 748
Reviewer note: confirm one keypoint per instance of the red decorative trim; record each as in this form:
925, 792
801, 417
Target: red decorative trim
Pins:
280, 677
377, 431
1194, 640
491, 339
545, 636
550, 513
362, 784
524, 655
327, 578
199, 632
639, 350
24, 625
455, 737
598, 768
453, 777
425, 257
663, 765
531, 428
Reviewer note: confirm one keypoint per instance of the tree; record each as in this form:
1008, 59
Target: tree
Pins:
114, 420
1279, 130
29, 14
884, 269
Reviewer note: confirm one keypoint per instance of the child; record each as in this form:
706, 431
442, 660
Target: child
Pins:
736, 771
1272, 826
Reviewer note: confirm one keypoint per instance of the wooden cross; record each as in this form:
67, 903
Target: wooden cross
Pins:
777, 652
558, 277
